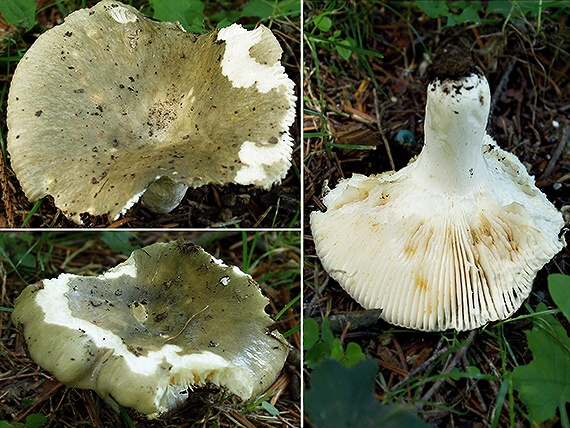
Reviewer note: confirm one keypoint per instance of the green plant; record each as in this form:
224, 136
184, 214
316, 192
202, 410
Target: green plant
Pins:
322, 345
125, 415
346, 40
33, 420
337, 36
343, 44
342, 384
120, 241
275, 243
23, 252
343, 397
191, 14
441, 8
544, 384
476, 12
262, 404
19, 12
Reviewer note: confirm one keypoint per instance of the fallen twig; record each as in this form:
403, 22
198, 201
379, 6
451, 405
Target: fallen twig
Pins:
454, 361
557, 153
503, 82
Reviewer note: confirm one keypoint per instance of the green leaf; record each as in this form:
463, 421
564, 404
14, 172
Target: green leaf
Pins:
19, 12
433, 8
343, 397
337, 352
325, 345
502, 7
224, 23
266, 9
468, 15
259, 9
35, 420
310, 333
326, 333
269, 408
323, 23
559, 287
189, 13
4, 424
225, 18
544, 384
343, 51
119, 242
27, 402
126, 418
354, 354
21, 248
289, 8
471, 372
317, 353
464, 4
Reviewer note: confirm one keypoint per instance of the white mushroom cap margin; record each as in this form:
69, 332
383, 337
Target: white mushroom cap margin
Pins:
105, 104
148, 331
451, 241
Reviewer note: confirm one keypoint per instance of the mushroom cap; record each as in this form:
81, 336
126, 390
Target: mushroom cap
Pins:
438, 251
108, 102
169, 319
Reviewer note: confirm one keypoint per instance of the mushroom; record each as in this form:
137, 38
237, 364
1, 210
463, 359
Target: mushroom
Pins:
147, 332
110, 102
454, 239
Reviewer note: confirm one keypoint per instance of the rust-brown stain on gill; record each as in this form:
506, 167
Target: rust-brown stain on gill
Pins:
474, 236
420, 282
485, 227
512, 251
410, 249
504, 233
450, 238
415, 241
513, 243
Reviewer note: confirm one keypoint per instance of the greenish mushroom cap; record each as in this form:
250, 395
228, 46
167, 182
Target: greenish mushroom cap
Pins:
169, 319
105, 104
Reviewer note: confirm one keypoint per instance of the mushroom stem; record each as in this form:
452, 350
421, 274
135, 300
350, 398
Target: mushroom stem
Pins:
163, 195
456, 117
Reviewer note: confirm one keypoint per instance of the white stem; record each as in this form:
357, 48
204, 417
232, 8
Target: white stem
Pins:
456, 117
